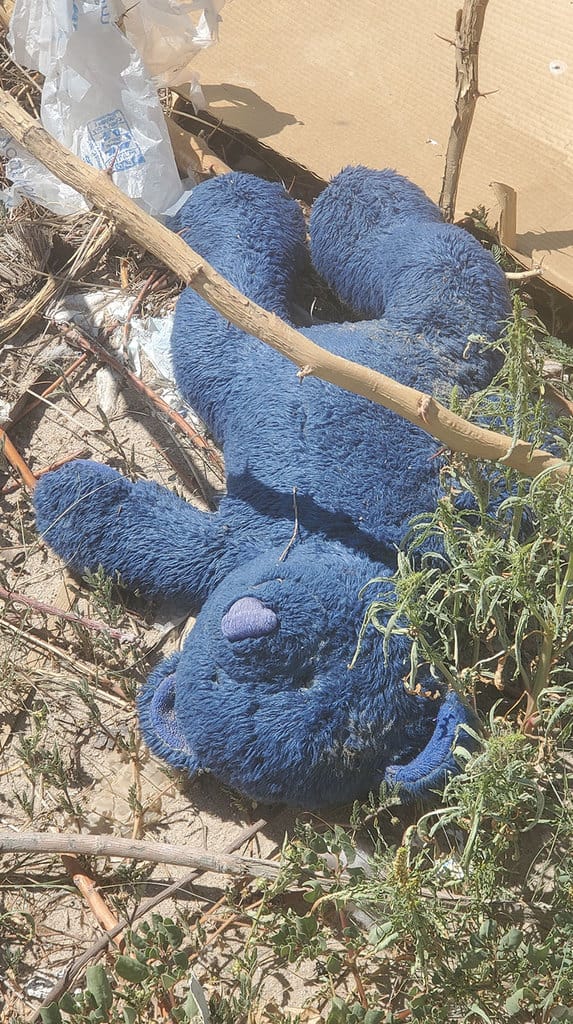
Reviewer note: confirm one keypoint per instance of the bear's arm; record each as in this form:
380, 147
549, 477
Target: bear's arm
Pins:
92, 516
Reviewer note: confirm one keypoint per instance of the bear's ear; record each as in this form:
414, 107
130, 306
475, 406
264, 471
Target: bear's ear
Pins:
156, 704
436, 762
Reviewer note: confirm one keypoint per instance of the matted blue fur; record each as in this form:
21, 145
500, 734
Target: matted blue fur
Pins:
321, 487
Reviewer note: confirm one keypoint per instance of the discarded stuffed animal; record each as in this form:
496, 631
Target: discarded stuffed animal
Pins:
321, 485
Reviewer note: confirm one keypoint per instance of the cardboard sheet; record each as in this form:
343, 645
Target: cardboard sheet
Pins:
329, 83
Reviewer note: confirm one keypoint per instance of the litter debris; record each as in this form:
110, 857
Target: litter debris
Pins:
100, 98
151, 335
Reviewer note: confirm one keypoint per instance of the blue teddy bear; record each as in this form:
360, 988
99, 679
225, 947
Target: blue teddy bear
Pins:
321, 485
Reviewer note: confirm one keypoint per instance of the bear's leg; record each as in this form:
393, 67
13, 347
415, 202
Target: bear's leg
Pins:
254, 234
350, 224
92, 516
436, 762
382, 245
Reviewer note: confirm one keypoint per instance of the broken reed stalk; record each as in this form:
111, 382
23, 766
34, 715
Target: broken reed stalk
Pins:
94, 625
422, 410
136, 849
99, 947
97, 241
469, 25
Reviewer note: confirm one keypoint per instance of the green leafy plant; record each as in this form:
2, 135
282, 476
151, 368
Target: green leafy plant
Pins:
153, 973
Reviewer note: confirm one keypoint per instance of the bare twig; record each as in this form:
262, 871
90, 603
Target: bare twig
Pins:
469, 24
351, 961
93, 898
131, 849
145, 288
99, 947
451, 430
30, 399
13, 456
48, 609
82, 453
523, 275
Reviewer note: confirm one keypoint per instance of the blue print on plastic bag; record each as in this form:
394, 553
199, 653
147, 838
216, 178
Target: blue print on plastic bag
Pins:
105, 16
112, 142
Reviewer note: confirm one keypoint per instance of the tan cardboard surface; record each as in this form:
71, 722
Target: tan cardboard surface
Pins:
328, 83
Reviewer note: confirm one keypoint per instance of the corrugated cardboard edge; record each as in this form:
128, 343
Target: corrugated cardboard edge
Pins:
326, 83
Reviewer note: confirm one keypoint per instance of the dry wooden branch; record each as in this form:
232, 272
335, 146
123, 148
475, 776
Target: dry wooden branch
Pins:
131, 849
95, 901
469, 25
49, 609
413, 405
99, 947
13, 456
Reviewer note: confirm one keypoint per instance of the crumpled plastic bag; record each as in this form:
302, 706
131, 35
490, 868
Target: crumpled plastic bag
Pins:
99, 99
169, 33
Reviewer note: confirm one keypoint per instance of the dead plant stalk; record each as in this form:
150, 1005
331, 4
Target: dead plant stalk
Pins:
469, 25
12, 597
131, 849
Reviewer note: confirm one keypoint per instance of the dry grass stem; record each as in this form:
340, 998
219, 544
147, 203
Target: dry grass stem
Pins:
12, 597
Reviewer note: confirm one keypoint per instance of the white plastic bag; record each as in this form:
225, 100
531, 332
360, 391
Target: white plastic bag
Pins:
169, 33
98, 100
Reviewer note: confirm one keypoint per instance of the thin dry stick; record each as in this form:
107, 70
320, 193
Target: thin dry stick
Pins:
131, 849
415, 406
16, 461
82, 453
75, 336
138, 809
223, 928
189, 480
93, 898
30, 399
523, 275
351, 958
99, 947
469, 25
59, 613
145, 288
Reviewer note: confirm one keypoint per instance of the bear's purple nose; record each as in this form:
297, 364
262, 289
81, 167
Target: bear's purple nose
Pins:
248, 618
